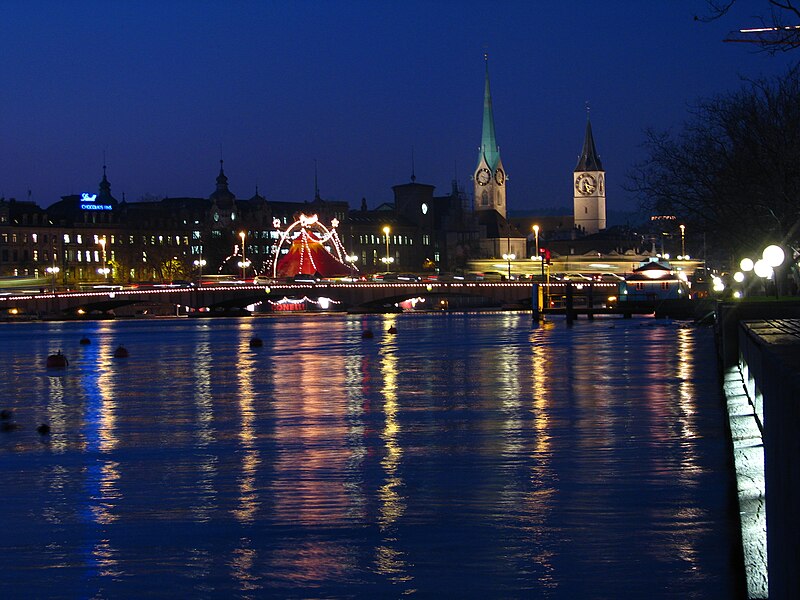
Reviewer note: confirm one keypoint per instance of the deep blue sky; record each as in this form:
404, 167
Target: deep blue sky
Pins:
164, 87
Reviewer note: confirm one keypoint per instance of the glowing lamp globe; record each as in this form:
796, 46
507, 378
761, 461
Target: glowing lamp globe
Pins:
738, 277
762, 269
773, 255
746, 265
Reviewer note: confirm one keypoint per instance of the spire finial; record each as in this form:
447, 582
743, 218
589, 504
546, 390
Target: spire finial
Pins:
588, 110
413, 169
316, 182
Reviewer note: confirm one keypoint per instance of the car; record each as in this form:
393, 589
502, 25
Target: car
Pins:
572, 276
612, 277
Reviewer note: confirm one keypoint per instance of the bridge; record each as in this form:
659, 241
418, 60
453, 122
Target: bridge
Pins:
335, 296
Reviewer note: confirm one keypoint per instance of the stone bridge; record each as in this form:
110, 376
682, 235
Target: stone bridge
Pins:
352, 297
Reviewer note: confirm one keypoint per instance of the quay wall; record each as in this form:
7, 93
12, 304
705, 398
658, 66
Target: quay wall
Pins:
761, 344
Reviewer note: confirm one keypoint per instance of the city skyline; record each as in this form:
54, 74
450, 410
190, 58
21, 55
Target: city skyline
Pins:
341, 95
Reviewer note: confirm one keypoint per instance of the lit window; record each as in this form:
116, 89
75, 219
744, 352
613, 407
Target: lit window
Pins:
79, 239
35, 237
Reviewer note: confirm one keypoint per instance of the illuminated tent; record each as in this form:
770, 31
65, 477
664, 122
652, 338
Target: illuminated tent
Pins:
308, 252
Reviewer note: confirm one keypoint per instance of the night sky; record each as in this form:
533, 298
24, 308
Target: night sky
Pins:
165, 89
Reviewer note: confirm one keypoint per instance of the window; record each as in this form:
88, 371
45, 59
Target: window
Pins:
13, 238
35, 255
35, 237
79, 239
66, 238
426, 239
665, 285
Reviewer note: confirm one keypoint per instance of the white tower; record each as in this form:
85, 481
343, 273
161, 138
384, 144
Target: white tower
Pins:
589, 187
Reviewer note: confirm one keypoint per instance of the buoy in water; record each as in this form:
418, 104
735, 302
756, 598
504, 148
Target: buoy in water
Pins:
392, 329
121, 352
85, 341
256, 342
367, 334
57, 361
43, 429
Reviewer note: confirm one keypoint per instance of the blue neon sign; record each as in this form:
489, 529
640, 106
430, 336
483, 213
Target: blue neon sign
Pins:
87, 203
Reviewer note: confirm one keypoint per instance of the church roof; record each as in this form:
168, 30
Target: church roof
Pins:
222, 193
496, 225
489, 149
589, 159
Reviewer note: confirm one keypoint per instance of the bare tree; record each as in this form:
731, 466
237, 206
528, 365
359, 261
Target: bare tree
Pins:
777, 27
733, 171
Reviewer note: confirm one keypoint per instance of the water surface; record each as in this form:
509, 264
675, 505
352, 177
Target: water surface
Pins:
469, 455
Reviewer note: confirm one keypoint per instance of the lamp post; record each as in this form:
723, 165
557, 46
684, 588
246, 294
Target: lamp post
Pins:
244, 263
53, 271
387, 259
200, 263
774, 256
683, 242
509, 257
536, 237
351, 260
104, 271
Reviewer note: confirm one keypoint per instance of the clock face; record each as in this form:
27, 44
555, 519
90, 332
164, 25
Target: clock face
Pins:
585, 184
424, 209
500, 177
483, 176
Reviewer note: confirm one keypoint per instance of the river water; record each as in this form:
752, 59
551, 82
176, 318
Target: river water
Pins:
465, 456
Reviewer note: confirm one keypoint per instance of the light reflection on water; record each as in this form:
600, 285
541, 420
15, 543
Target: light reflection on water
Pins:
465, 456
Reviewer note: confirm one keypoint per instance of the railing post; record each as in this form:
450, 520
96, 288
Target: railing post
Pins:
570, 309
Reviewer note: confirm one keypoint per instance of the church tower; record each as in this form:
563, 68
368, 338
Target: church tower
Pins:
489, 176
589, 187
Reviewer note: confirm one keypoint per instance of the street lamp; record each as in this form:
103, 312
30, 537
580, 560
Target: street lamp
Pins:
683, 243
244, 263
200, 263
772, 257
53, 271
388, 260
104, 271
509, 258
351, 260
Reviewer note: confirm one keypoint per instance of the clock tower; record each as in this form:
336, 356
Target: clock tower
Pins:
589, 187
489, 176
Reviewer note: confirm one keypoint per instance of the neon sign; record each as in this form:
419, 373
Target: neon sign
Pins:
87, 203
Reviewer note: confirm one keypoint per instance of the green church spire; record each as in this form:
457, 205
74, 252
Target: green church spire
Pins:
489, 149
